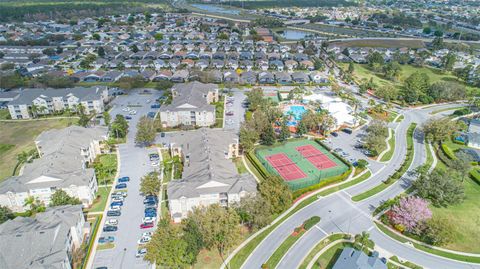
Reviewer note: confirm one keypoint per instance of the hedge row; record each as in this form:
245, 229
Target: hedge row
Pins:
448, 152
256, 163
475, 174
333, 153
91, 241
324, 182
309, 223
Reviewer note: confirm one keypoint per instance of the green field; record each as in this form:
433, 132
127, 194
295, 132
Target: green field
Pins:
362, 72
21, 134
313, 174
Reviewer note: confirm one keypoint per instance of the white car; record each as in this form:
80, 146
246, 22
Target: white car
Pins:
144, 240
149, 219
118, 199
141, 252
155, 163
125, 109
115, 208
111, 222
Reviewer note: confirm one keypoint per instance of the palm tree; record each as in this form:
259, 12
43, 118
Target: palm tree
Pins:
34, 110
80, 109
363, 240
43, 109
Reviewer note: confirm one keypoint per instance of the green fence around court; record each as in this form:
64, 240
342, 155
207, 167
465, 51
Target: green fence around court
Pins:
314, 176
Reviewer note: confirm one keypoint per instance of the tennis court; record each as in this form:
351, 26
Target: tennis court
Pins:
316, 157
301, 162
285, 167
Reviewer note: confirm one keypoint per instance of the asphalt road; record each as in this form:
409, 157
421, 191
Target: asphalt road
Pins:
134, 163
340, 214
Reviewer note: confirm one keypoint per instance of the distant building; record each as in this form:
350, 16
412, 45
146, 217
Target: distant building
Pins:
209, 174
191, 105
47, 240
473, 134
49, 101
63, 164
356, 259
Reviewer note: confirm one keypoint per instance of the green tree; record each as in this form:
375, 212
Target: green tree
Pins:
119, 126
284, 131
375, 60
96, 36
106, 118
167, 249
146, 131
387, 93
150, 184
255, 98
415, 86
158, 36
267, 137
440, 187
438, 130
101, 52
462, 164
351, 68
35, 205
254, 211
301, 128
5, 214
448, 61
248, 137
134, 48
219, 227
274, 190
392, 70
194, 239
60, 197
362, 241
84, 120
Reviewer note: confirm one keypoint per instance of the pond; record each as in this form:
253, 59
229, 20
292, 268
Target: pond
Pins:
294, 34
216, 9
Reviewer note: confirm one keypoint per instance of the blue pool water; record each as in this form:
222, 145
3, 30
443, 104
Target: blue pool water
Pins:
296, 112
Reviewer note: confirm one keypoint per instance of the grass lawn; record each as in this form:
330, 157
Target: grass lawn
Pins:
406, 263
4, 114
362, 72
391, 116
22, 134
388, 155
445, 109
241, 169
283, 248
329, 257
399, 119
108, 169
101, 200
465, 219
319, 247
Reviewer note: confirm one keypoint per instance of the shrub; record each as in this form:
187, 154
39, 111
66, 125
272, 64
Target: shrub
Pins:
324, 182
309, 223
448, 152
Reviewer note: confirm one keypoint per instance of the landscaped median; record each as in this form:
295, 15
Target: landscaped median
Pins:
391, 143
425, 248
398, 174
288, 243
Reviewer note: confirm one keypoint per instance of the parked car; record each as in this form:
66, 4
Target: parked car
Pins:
147, 225
155, 105
347, 130
113, 213
229, 113
120, 193
110, 228
106, 239
124, 179
117, 203
151, 214
141, 252
115, 207
335, 134
121, 186
144, 240
147, 234
128, 117
118, 199
149, 220
162, 134
111, 222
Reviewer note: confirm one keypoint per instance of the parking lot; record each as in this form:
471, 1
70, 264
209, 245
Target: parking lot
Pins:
346, 147
234, 110
135, 162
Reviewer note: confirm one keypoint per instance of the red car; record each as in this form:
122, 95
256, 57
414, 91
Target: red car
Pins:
146, 225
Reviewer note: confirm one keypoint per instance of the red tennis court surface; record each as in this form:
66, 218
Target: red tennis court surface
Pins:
285, 167
316, 157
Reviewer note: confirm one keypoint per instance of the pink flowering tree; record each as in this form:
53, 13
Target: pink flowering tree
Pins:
410, 212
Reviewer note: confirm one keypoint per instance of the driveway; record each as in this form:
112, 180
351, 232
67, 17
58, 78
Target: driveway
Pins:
135, 164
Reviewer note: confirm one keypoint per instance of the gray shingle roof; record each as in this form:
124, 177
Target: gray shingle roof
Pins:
61, 160
193, 93
206, 149
84, 94
355, 259
38, 242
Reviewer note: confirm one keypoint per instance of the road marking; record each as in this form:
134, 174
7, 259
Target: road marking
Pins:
347, 193
371, 228
321, 230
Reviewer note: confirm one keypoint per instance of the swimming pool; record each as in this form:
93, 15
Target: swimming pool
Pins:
295, 113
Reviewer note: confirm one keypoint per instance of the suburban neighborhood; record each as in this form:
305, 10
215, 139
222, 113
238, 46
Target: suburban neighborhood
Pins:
240, 134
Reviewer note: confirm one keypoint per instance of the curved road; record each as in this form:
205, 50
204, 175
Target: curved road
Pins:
340, 214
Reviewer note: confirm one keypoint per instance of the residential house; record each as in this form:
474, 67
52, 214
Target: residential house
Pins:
64, 156
266, 78
351, 258
209, 176
300, 77
47, 240
191, 105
